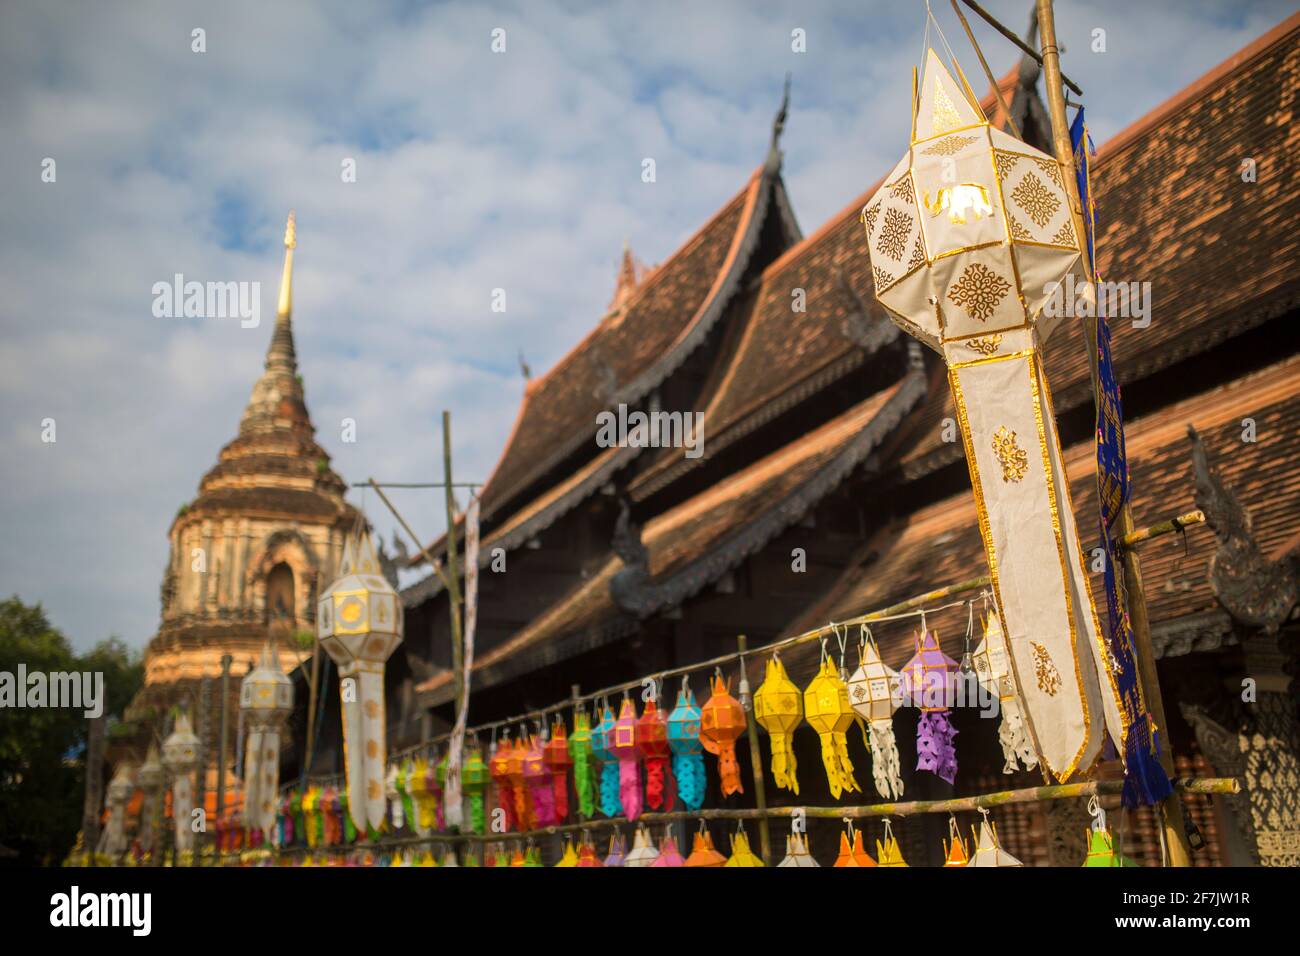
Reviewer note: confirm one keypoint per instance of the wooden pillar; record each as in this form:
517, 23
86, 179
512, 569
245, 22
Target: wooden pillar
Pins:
755, 757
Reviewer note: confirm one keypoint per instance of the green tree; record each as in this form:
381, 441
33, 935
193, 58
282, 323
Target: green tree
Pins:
42, 773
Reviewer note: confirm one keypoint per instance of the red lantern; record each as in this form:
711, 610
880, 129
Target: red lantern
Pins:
558, 761
499, 767
652, 741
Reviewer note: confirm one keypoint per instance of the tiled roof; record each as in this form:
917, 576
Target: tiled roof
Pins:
705, 536
1173, 210
940, 544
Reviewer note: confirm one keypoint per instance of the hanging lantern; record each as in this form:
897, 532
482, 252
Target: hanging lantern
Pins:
359, 622
474, 778
684, 741
741, 854
669, 855
602, 738
180, 755
702, 852
404, 791
929, 682
652, 744
993, 668
643, 852
541, 793
988, 852
151, 778
558, 761
617, 850
971, 238
852, 853
888, 853
778, 708
955, 852
722, 721
426, 807
587, 856
584, 768
396, 811
499, 768
875, 691
826, 702
622, 742
265, 701
1100, 842
517, 756
796, 852
569, 857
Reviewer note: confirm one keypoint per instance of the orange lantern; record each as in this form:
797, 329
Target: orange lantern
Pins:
853, 855
702, 851
722, 721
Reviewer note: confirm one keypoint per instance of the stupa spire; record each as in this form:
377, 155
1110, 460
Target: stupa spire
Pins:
281, 354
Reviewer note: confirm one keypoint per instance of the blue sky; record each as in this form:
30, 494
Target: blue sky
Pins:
476, 171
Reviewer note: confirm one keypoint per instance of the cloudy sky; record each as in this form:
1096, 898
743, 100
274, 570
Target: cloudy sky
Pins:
475, 170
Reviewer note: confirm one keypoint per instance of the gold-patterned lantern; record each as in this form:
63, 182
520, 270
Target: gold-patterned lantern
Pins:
778, 708
359, 623
266, 700
875, 692
971, 240
826, 704
992, 662
180, 755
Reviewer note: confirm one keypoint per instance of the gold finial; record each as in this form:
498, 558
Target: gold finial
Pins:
286, 280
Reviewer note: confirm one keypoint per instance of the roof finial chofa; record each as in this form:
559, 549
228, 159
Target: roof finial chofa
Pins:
778, 126
629, 276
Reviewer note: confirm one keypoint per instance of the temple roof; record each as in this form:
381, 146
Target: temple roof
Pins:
1172, 208
694, 544
940, 544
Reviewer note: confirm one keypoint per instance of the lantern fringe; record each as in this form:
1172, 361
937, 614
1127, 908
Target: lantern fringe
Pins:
583, 783
785, 767
1014, 737
506, 802
936, 745
659, 785
886, 765
629, 787
610, 805
691, 779
543, 801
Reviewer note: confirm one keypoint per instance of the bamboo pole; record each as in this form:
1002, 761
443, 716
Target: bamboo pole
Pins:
988, 73
1171, 813
1134, 538
755, 757
1024, 47
452, 578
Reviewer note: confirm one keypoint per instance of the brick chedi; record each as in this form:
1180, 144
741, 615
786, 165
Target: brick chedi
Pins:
264, 536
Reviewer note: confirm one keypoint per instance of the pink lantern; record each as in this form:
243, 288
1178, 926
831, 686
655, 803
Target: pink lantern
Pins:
669, 855
540, 785
623, 744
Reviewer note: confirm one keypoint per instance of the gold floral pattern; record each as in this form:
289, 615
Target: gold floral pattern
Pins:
881, 277
979, 291
946, 116
869, 218
1051, 168
1048, 677
918, 256
893, 234
1005, 162
902, 190
1013, 459
1018, 230
986, 345
1065, 235
1039, 202
948, 147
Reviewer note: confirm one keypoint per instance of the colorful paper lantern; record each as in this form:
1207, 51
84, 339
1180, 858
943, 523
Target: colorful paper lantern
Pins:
669, 855
875, 691
992, 661
541, 792
516, 757
622, 742
643, 852
587, 856
703, 853
558, 761
474, 776
425, 819
617, 850
359, 623
852, 853
741, 854
988, 851
888, 852
684, 741
499, 768
796, 852
971, 237
601, 747
396, 811
778, 708
955, 852
265, 700
584, 767
652, 744
180, 755
569, 857
929, 682
722, 721
1102, 852
826, 704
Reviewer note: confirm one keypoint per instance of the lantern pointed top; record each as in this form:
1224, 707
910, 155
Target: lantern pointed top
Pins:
941, 103
348, 563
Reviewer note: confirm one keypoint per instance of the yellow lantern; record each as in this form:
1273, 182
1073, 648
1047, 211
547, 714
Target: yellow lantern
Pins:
826, 703
888, 852
741, 854
359, 623
778, 708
